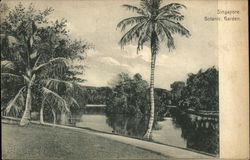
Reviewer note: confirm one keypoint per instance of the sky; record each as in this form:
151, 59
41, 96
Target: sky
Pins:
95, 21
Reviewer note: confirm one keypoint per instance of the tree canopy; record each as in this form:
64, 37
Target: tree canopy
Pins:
201, 91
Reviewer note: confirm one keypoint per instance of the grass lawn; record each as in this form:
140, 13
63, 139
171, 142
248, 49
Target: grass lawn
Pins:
42, 142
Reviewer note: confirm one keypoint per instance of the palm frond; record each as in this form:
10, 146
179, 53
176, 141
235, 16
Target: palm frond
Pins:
60, 101
73, 100
164, 32
174, 17
167, 13
7, 65
33, 55
11, 75
172, 11
130, 21
51, 62
37, 60
53, 83
132, 33
134, 9
144, 35
11, 40
175, 27
11, 79
12, 102
171, 7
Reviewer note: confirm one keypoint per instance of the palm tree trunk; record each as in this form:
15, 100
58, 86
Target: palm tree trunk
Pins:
152, 103
54, 116
41, 115
26, 115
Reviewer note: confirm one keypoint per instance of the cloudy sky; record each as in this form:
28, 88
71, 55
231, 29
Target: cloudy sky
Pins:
95, 21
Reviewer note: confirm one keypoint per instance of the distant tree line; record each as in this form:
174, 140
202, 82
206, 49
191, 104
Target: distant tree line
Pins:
127, 95
94, 95
130, 95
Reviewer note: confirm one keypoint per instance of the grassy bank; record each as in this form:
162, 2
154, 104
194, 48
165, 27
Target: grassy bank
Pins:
42, 142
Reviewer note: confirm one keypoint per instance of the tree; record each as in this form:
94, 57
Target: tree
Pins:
201, 91
129, 95
177, 88
154, 24
162, 98
37, 53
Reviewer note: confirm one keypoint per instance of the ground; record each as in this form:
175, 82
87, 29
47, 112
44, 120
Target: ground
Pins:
43, 142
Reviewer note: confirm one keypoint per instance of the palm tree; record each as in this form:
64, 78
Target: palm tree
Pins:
34, 56
57, 98
153, 24
26, 75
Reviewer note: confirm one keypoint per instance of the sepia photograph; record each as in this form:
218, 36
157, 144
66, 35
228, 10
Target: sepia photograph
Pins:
110, 79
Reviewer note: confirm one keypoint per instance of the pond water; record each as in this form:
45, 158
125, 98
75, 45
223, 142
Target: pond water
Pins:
180, 130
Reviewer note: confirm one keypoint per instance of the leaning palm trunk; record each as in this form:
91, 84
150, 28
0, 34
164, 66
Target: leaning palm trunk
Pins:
41, 115
26, 115
54, 117
64, 118
152, 103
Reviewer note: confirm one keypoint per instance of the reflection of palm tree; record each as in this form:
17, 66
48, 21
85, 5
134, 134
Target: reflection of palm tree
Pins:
153, 24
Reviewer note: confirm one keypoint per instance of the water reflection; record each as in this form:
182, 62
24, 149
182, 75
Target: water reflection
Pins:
201, 133
181, 130
127, 125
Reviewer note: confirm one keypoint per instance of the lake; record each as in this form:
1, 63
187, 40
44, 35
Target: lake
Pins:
181, 130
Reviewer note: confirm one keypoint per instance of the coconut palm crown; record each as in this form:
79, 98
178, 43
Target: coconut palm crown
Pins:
154, 24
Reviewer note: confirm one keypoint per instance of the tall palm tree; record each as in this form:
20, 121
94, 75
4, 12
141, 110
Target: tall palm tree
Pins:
153, 24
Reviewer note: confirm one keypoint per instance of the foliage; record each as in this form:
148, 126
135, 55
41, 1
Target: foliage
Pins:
176, 89
153, 24
162, 100
201, 91
129, 95
94, 95
37, 53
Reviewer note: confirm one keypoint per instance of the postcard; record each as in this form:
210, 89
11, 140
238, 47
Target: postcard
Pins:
122, 79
